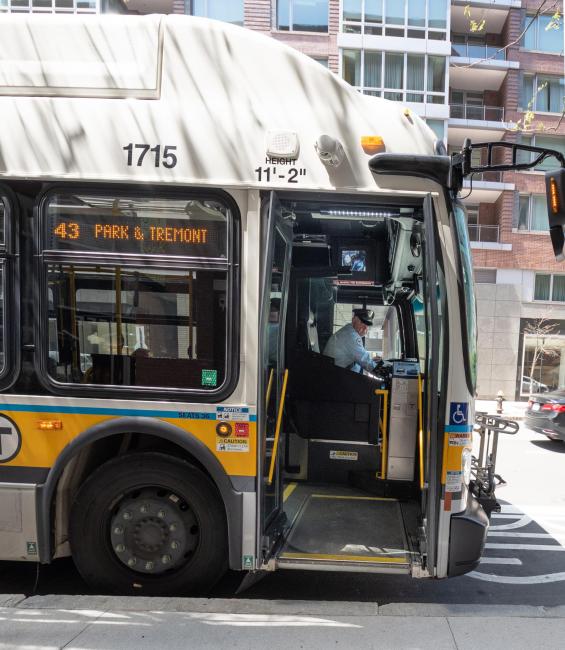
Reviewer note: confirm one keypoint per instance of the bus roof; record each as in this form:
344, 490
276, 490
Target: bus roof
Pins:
83, 97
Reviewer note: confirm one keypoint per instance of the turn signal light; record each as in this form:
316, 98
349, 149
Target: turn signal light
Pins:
49, 425
553, 195
372, 144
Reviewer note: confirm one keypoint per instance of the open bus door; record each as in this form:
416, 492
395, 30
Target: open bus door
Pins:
272, 371
433, 298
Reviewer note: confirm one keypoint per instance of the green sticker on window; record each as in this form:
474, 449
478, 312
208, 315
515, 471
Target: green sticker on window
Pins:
209, 377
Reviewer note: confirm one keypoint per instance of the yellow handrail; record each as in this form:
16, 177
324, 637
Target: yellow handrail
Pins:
278, 429
269, 387
420, 431
384, 432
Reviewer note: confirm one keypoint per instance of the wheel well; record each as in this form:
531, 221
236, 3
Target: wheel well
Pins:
89, 458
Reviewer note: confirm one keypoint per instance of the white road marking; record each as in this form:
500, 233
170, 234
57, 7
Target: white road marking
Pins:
518, 580
527, 547
500, 515
523, 521
501, 560
496, 533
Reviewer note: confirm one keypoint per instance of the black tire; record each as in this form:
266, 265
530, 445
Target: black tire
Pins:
121, 522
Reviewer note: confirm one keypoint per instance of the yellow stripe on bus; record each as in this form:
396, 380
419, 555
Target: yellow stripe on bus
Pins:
377, 559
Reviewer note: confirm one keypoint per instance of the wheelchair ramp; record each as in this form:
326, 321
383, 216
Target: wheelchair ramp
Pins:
347, 533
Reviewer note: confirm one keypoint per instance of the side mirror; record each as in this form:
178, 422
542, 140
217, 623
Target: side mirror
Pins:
555, 190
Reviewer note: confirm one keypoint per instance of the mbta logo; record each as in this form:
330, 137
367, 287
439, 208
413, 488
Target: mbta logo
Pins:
10, 439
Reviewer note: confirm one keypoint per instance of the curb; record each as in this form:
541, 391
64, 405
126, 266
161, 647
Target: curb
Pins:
278, 607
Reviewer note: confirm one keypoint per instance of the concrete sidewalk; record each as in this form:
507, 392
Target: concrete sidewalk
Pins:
115, 623
510, 410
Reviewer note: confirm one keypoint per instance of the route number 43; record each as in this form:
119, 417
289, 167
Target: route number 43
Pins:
159, 155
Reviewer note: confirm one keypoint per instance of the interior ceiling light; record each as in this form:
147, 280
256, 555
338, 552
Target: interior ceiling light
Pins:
357, 215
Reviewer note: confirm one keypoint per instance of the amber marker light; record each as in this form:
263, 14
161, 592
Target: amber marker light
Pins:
50, 425
553, 195
372, 144
223, 429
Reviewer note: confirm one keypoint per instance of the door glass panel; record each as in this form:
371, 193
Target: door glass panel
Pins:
273, 363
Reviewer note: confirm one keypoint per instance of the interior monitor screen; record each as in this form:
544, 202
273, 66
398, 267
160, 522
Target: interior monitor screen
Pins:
355, 258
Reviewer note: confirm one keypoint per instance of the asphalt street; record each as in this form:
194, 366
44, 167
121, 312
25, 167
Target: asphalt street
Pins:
524, 562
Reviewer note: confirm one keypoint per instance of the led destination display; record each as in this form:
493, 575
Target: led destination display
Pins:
128, 234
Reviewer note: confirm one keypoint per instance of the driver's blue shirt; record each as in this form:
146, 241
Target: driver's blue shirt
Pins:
346, 348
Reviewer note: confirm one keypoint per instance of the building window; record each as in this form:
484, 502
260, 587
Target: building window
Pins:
533, 213
402, 18
543, 34
546, 142
395, 75
230, 11
543, 93
302, 15
475, 47
485, 276
438, 127
543, 362
549, 287
50, 6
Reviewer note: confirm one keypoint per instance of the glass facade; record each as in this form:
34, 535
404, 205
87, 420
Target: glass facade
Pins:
543, 93
230, 11
50, 6
303, 15
396, 75
533, 213
403, 18
543, 34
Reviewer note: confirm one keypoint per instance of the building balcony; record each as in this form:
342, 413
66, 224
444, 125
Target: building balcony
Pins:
478, 232
486, 237
475, 113
485, 187
478, 67
480, 123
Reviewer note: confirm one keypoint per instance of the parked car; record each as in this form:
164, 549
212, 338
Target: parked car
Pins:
546, 414
533, 386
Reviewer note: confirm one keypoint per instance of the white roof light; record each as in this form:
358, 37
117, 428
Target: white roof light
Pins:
282, 144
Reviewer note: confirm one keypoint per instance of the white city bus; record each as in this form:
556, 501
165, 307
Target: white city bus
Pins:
189, 211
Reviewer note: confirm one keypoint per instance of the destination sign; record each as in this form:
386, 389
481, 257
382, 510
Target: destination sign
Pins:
130, 234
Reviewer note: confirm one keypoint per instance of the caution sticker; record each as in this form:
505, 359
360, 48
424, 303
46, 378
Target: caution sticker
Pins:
338, 454
232, 444
460, 439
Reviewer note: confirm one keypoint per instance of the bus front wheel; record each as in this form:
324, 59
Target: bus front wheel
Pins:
149, 524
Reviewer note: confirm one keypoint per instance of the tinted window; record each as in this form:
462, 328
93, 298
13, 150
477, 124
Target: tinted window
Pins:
468, 292
137, 327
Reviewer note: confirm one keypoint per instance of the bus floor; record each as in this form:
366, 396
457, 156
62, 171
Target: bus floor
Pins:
337, 527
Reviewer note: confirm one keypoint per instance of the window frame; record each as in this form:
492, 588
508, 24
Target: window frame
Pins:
535, 27
534, 79
291, 18
9, 263
375, 28
529, 229
189, 9
382, 90
51, 9
467, 293
550, 299
232, 267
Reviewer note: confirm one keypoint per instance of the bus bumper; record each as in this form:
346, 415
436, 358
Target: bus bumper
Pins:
467, 536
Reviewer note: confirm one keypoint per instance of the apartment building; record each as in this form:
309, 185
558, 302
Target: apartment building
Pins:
471, 69
61, 6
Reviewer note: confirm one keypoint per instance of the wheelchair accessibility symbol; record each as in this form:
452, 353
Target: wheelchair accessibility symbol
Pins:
458, 413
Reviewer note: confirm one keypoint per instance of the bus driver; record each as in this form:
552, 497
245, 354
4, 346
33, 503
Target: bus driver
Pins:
346, 345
